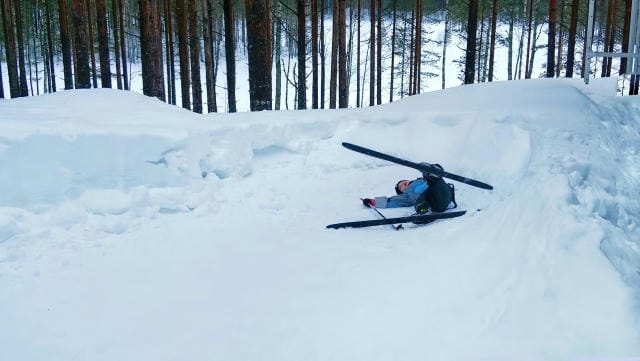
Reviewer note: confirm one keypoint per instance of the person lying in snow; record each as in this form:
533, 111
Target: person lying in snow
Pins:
429, 192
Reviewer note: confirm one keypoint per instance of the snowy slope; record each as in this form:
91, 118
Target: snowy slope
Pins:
132, 230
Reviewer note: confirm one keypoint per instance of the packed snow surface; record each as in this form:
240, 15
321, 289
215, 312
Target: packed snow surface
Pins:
134, 230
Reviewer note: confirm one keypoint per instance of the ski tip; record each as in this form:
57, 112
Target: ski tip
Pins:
479, 184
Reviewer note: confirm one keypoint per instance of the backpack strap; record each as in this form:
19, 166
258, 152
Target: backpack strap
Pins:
453, 195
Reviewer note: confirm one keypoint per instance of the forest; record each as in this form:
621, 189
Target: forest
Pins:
326, 52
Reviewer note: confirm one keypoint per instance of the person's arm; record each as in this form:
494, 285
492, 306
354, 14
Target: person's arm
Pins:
402, 200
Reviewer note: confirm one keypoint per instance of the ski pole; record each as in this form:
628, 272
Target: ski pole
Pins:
397, 228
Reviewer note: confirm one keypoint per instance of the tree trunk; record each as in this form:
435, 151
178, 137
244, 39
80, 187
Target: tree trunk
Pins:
44, 47
50, 65
83, 80
412, 52
492, 46
260, 60
207, 26
534, 48
322, 56
379, 52
123, 45
333, 80
73, 48
1, 80
302, 55
92, 53
10, 48
393, 47
116, 41
183, 51
169, 53
519, 61
194, 47
166, 11
470, 57
314, 54
403, 59
486, 49
278, 48
24, 89
36, 33
103, 44
480, 46
571, 46
609, 38
510, 46
445, 43
551, 42
47, 52
527, 71
372, 54
343, 91
560, 39
359, 16
229, 46
625, 35
151, 49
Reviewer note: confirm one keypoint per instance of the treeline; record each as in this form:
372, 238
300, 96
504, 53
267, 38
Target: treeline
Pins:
317, 47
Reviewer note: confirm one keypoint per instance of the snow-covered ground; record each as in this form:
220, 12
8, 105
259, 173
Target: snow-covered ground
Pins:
134, 230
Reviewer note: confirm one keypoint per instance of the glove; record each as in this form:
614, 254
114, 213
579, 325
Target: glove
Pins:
369, 202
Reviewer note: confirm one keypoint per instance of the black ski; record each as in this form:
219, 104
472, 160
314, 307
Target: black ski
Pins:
417, 219
423, 167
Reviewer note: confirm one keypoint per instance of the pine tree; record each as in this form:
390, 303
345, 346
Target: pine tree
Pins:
230, 48
470, 58
103, 43
551, 43
183, 53
259, 52
207, 26
194, 49
151, 43
10, 49
302, 55
81, 47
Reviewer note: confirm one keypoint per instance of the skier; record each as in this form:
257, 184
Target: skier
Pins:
407, 193
429, 192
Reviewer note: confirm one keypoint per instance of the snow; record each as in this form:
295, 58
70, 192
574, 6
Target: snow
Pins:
134, 230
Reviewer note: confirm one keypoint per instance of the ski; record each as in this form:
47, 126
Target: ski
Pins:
423, 167
416, 219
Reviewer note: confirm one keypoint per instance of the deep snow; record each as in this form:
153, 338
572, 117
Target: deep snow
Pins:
133, 230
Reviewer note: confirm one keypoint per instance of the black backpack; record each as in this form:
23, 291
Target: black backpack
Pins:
437, 197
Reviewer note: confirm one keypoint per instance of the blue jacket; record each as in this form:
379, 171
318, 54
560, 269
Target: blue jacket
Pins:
406, 199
